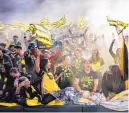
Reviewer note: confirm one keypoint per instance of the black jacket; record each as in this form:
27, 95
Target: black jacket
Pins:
30, 65
7, 63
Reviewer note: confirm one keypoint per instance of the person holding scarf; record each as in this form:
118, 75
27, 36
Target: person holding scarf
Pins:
64, 74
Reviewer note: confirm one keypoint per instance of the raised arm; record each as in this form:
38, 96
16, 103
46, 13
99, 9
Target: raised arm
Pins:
110, 49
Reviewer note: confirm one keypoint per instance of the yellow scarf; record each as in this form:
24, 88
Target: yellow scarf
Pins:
23, 64
33, 90
5, 81
79, 63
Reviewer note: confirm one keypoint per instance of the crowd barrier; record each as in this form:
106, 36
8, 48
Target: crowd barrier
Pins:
65, 108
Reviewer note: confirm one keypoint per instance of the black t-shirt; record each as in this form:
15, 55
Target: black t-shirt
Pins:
65, 80
86, 79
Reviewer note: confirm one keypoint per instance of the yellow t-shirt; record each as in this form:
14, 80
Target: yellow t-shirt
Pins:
96, 66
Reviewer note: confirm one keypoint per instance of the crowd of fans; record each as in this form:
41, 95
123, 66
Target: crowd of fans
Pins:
38, 73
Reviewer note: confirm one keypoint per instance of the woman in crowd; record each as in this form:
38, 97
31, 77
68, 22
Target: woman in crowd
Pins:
97, 64
112, 82
116, 56
48, 83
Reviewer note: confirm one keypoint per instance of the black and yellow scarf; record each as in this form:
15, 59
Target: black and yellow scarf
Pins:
78, 63
32, 97
4, 79
23, 65
68, 73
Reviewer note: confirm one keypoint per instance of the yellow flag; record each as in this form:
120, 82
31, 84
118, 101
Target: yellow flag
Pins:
81, 22
42, 34
71, 24
59, 23
43, 31
124, 63
1, 26
47, 43
18, 25
6, 31
32, 29
117, 23
45, 22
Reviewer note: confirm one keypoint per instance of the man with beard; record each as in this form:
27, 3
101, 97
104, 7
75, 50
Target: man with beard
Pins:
24, 62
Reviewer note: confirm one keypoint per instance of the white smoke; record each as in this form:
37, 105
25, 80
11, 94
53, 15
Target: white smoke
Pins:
95, 11
34, 10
